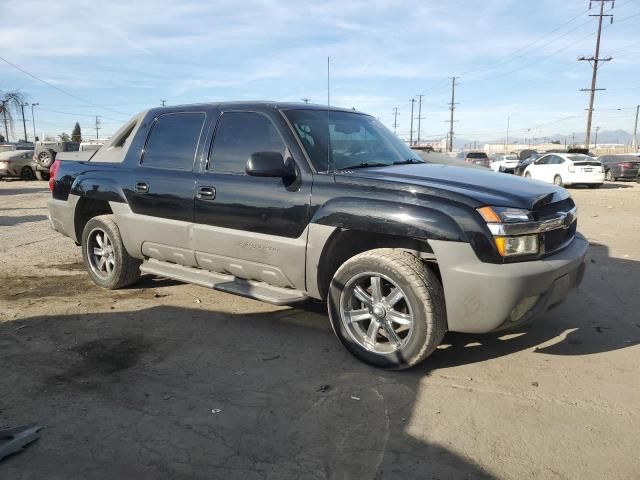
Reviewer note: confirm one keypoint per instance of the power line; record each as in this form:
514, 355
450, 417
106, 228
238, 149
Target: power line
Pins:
595, 60
60, 89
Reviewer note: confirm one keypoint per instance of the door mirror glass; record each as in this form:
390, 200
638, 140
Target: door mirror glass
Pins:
268, 164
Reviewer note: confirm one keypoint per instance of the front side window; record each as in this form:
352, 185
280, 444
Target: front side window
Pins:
343, 140
173, 141
240, 134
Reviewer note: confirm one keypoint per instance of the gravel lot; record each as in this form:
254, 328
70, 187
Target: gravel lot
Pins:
173, 381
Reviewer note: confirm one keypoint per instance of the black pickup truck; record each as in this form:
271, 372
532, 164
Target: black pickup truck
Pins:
286, 202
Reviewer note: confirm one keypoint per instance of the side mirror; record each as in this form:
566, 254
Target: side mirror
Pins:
268, 164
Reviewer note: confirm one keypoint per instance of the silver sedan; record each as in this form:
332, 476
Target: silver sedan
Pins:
17, 163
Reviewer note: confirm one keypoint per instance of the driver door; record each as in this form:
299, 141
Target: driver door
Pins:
250, 227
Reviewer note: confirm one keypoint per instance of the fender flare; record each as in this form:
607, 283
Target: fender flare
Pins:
98, 189
390, 218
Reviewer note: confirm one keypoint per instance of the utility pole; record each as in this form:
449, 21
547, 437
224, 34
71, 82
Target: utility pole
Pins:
395, 119
595, 59
506, 144
452, 107
596, 142
163, 103
419, 115
634, 140
33, 121
305, 100
97, 127
413, 101
24, 123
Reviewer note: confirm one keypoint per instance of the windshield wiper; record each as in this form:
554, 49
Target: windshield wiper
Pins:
364, 165
408, 161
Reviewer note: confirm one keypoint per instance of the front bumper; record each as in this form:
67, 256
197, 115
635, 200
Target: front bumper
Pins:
483, 297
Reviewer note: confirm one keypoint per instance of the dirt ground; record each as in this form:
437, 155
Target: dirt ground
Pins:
173, 381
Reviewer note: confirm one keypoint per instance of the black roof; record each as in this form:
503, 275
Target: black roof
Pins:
255, 104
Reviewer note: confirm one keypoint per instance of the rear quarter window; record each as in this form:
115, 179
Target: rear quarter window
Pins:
173, 141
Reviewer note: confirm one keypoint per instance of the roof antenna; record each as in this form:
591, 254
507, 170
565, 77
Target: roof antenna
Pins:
328, 109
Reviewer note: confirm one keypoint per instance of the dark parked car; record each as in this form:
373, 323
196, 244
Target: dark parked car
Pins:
620, 166
523, 164
263, 200
477, 158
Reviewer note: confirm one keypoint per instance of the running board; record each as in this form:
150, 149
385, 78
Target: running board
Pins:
225, 283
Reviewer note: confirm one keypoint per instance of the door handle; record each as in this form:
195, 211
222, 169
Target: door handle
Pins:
141, 187
206, 193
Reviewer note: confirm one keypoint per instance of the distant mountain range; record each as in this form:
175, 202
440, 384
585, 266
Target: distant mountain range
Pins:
606, 136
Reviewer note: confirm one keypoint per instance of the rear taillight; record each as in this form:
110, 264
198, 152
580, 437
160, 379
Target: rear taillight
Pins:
52, 174
625, 165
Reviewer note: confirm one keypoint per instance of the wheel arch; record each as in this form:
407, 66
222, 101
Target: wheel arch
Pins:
344, 244
86, 209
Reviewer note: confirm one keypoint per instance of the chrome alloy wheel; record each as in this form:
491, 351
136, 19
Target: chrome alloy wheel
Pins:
375, 312
100, 253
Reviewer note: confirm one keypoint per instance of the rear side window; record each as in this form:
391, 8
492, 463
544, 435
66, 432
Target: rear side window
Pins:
173, 141
238, 135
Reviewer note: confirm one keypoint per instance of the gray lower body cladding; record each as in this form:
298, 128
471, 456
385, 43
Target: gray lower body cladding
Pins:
483, 297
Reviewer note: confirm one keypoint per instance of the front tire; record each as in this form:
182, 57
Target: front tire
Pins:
387, 308
107, 261
527, 175
40, 175
27, 173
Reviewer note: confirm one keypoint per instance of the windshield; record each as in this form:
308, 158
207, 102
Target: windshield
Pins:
477, 155
356, 140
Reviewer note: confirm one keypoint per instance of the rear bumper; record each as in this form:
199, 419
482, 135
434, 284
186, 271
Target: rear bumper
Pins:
584, 178
483, 297
62, 215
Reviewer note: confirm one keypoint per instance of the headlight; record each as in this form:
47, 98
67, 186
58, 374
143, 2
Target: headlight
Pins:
509, 245
504, 214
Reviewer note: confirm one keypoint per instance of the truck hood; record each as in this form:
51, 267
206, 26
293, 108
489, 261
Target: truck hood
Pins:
474, 187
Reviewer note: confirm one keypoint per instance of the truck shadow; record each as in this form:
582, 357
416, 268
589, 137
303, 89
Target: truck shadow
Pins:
169, 392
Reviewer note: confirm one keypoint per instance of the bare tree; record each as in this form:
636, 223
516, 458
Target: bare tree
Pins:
10, 107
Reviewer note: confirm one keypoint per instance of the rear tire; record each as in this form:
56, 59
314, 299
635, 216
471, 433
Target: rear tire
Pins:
40, 175
557, 180
107, 261
394, 322
608, 176
527, 175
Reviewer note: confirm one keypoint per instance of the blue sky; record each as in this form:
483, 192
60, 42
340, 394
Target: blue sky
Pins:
127, 55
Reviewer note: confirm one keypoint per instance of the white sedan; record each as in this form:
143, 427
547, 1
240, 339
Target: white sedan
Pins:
504, 163
567, 169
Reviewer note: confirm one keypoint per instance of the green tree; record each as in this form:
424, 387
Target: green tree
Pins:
76, 134
64, 137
